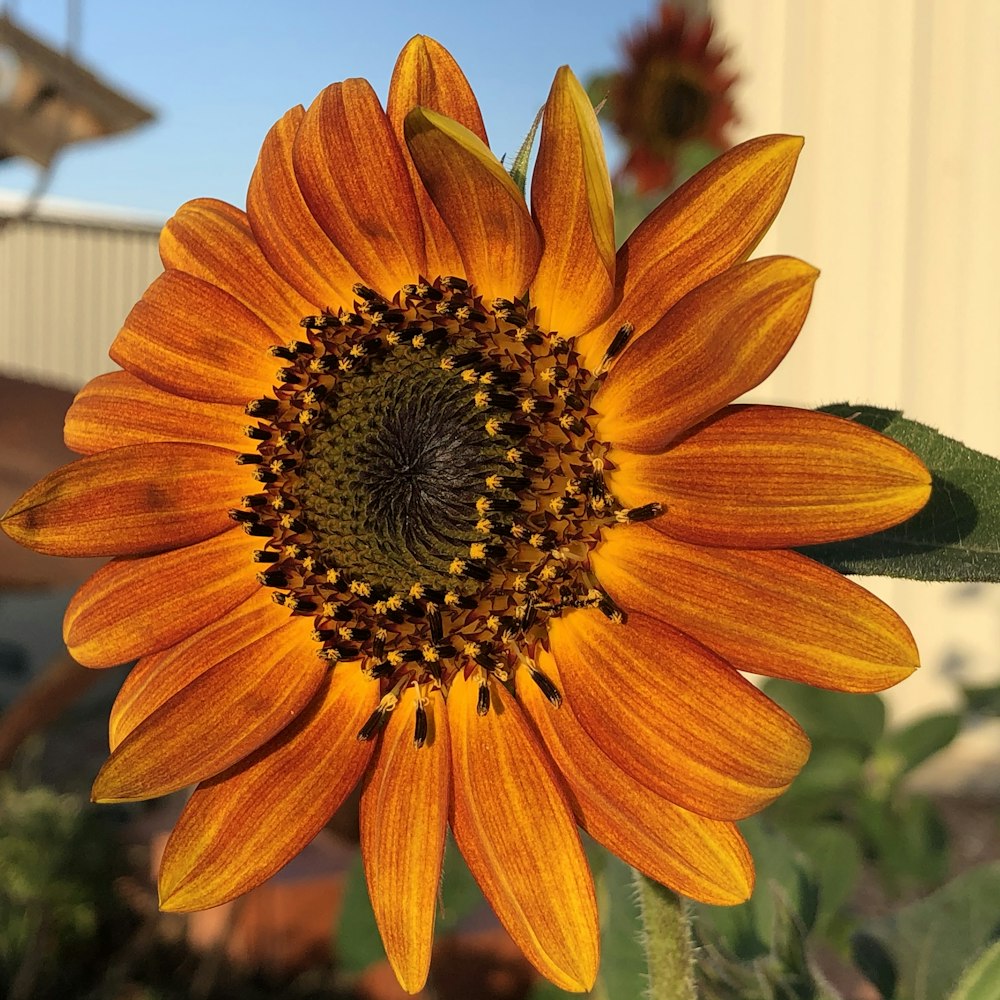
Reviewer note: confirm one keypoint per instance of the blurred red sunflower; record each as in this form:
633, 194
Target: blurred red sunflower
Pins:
673, 89
492, 541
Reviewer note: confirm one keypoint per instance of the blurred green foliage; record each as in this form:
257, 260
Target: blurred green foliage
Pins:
849, 832
921, 950
854, 783
58, 863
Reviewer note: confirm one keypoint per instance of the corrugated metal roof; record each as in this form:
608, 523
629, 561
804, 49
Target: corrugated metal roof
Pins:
65, 210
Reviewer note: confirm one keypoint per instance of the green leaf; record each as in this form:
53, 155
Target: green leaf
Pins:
357, 941
825, 790
623, 961
519, 168
955, 537
903, 749
747, 931
983, 700
460, 894
835, 858
919, 952
831, 717
907, 841
544, 990
981, 980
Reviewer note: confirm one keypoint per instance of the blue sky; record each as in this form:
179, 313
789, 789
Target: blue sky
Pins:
219, 72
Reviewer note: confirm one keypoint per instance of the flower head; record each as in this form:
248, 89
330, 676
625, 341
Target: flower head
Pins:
408, 485
672, 89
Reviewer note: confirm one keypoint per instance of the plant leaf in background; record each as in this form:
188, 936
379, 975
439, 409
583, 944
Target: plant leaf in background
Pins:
981, 980
758, 951
920, 952
357, 939
983, 700
623, 960
955, 537
854, 780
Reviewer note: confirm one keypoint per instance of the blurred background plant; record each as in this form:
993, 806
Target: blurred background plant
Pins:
668, 104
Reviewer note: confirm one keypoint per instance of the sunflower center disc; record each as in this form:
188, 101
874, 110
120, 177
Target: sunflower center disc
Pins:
432, 483
392, 471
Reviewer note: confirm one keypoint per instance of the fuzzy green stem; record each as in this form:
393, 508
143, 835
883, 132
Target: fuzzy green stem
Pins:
667, 941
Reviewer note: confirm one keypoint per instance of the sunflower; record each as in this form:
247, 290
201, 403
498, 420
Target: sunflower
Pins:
408, 485
673, 89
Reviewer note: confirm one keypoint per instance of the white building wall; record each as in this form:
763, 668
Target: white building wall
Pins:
68, 277
897, 200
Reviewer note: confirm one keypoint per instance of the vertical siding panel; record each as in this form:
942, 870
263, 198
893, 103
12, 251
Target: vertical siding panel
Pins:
66, 284
896, 201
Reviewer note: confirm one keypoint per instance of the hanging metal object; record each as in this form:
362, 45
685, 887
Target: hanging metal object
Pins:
48, 100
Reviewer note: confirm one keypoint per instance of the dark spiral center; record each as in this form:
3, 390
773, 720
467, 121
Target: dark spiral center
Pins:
392, 472
683, 107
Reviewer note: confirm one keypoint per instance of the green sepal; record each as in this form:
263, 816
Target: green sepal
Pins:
519, 168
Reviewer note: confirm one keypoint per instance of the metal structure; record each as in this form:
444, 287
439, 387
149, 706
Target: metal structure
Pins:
49, 100
69, 274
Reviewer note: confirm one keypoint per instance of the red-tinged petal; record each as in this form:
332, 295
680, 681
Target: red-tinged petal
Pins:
156, 678
478, 201
284, 227
132, 607
118, 409
426, 74
212, 240
705, 859
713, 221
674, 715
776, 477
353, 178
225, 713
573, 207
129, 501
819, 627
239, 828
190, 338
720, 340
513, 824
404, 817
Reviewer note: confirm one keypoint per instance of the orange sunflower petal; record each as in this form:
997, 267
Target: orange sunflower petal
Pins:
404, 817
118, 409
711, 222
354, 179
190, 338
513, 824
156, 678
141, 605
705, 859
426, 74
129, 501
573, 207
283, 226
720, 340
225, 713
239, 828
674, 715
820, 627
212, 240
478, 201
775, 477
